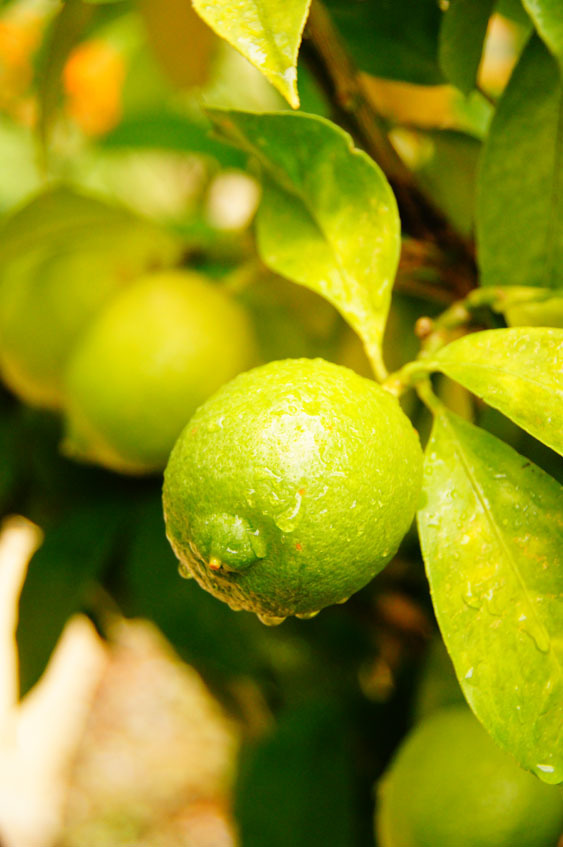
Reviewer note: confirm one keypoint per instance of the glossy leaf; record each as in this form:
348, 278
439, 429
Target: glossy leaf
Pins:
296, 785
381, 43
548, 18
328, 218
461, 40
518, 371
519, 213
548, 312
59, 577
491, 531
266, 32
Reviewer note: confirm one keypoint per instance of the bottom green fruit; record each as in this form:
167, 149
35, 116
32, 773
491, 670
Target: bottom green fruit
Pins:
292, 487
451, 786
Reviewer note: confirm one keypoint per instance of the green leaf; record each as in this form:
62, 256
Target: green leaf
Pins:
59, 577
519, 209
381, 42
266, 32
548, 312
449, 175
303, 771
492, 539
548, 19
169, 131
518, 371
528, 306
462, 35
67, 28
328, 218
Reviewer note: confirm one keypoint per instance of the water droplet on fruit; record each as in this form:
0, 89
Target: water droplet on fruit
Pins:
184, 571
287, 521
258, 543
545, 768
306, 616
271, 620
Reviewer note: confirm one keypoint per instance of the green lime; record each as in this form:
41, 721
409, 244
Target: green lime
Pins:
451, 786
150, 359
437, 685
52, 288
292, 487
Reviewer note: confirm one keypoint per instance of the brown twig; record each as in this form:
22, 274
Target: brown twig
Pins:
333, 68
426, 271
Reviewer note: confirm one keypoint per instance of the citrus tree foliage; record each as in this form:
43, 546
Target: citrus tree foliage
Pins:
394, 180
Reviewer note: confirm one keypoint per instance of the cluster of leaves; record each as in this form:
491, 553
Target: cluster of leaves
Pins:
491, 523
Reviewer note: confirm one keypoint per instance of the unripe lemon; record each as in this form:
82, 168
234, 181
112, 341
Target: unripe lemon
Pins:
292, 487
52, 285
151, 358
451, 786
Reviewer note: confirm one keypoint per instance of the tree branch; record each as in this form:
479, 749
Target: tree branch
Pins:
333, 68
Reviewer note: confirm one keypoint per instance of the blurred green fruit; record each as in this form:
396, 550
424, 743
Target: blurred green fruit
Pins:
451, 786
437, 684
151, 358
63, 257
292, 487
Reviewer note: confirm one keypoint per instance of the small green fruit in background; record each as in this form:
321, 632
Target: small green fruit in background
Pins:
150, 359
63, 257
292, 487
437, 685
451, 786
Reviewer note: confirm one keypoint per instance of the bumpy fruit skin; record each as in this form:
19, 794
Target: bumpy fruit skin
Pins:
451, 785
292, 487
150, 359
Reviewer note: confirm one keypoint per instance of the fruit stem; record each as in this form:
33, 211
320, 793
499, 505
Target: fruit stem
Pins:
373, 352
430, 400
407, 377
